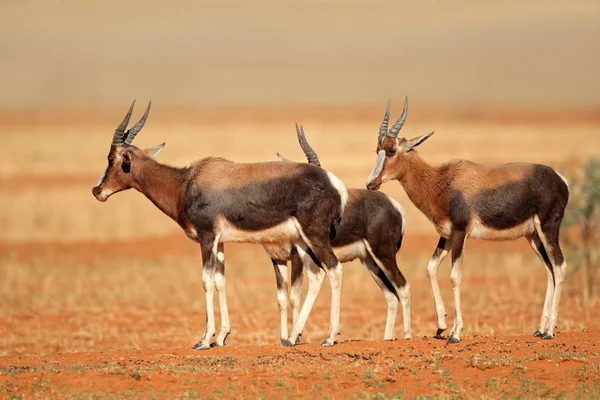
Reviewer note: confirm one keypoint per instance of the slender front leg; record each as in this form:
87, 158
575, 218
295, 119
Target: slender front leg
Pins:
220, 284
458, 244
280, 268
208, 281
440, 253
315, 281
296, 287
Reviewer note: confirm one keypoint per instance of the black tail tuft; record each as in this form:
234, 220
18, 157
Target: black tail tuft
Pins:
399, 244
332, 230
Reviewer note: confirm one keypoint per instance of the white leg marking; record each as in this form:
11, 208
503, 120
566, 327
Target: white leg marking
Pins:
403, 293
296, 292
390, 298
208, 281
315, 280
335, 280
438, 256
549, 288
282, 299
559, 277
220, 284
456, 279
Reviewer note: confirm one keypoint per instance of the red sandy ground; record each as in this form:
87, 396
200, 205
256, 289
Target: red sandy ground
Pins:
507, 366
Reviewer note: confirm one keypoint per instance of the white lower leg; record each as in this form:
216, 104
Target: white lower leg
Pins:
456, 278
559, 277
404, 293
390, 299
547, 311
534, 241
220, 284
208, 281
282, 300
335, 280
315, 281
295, 298
432, 268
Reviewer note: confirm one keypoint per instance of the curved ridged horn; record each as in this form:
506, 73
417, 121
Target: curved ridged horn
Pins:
398, 125
137, 127
386, 118
310, 154
120, 131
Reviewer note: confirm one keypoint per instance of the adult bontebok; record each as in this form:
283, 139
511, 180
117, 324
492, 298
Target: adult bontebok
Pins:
371, 230
215, 201
464, 199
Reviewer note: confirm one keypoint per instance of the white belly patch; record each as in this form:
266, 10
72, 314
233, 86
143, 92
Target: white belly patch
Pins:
282, 233
480, 231
350, 252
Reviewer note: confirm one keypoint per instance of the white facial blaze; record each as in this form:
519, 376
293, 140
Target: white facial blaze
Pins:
101, 179
378, 167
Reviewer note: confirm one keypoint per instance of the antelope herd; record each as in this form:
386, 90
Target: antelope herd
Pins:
303, 213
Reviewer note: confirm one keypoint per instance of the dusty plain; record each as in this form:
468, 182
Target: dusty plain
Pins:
106, 300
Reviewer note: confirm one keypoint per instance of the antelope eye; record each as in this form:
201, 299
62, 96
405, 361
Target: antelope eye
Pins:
390, 153
111, 161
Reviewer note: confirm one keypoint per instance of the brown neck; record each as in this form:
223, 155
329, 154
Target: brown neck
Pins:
162, 184
424, 185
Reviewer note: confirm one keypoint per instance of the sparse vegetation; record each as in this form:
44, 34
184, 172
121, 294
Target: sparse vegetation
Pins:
582, 221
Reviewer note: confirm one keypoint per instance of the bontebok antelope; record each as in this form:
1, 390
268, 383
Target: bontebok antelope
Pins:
215, 201
464, 199
371, 230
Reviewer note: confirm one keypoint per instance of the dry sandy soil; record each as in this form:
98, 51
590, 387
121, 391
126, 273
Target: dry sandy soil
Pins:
105, 300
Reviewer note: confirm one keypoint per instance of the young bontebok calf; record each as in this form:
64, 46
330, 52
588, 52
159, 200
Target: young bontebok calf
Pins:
464, 199
371, 230
215, 201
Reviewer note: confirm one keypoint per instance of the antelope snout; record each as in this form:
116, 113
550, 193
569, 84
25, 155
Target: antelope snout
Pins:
374, 184
97, 192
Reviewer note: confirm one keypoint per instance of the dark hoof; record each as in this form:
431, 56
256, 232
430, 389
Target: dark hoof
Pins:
537, 334
286, 343
298, 340
200, 346
438, 334
452, 340
327, 344
547, 336
215, 344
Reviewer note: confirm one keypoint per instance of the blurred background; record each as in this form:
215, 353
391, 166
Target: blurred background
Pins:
498, 81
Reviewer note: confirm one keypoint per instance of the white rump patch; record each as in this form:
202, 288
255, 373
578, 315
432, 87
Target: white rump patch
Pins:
400, 209
101, 179
564, 179
341, 188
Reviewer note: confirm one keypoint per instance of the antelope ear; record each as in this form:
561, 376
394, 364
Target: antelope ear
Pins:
282, 158
414, 142
153, 151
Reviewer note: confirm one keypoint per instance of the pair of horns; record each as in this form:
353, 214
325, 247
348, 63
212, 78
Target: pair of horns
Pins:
120, 136
398, 125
